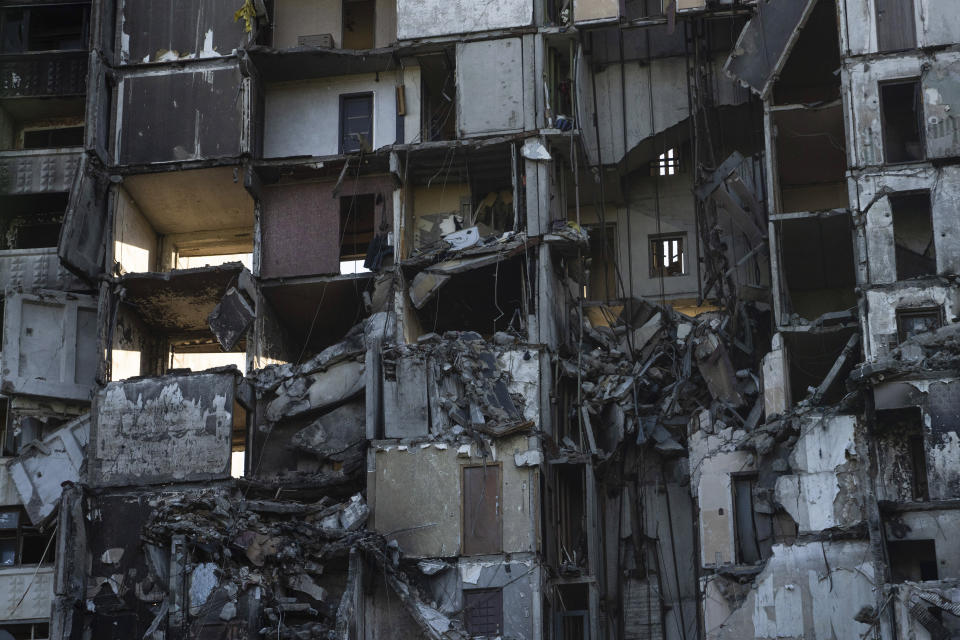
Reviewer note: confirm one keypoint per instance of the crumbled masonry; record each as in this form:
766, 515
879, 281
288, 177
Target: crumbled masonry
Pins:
513, 320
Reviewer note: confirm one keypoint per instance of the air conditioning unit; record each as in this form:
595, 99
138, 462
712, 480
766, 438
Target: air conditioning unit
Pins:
321, 40
687, 5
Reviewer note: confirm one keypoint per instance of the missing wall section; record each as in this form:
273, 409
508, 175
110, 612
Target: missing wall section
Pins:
817, 264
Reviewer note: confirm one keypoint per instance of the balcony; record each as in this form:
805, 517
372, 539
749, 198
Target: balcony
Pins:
43, 74
38, 171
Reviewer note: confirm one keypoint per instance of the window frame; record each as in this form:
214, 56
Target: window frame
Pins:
903, 312
343, 98
654, 247
484, 594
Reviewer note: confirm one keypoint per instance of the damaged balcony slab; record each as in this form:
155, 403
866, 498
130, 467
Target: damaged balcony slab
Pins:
44, 465
179, 301
175, 428
307, 63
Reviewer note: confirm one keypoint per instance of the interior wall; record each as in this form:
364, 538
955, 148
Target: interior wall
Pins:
300, 224
676, 215
302, 118
292, 18
433, 208
135, 241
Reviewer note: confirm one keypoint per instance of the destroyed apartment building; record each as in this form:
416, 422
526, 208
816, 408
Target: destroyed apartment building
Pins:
525, 319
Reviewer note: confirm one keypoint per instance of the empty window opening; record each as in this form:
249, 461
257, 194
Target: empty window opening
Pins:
481, 510
912, 560
571, 519
573, 612
51, 28
358, 24
356, 123
913, 235
357, 228
896, 26
902, 112
438, 105
53, 138
911, 322
31, 221
817, 267
602, 280
27, 630
668, 255
21, 543
668, 163
483, 612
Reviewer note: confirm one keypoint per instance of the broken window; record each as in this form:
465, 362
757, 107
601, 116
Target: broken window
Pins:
668, 255
358, 24
357, 228
481, 510
896, 26
356, 122
912, 560
902, 112
913, 235
911, 322
483, 612
668, 163
50, 28
20, 542
53, 138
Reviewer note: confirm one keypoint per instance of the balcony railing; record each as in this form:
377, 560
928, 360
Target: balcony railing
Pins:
43, 74
38, 171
